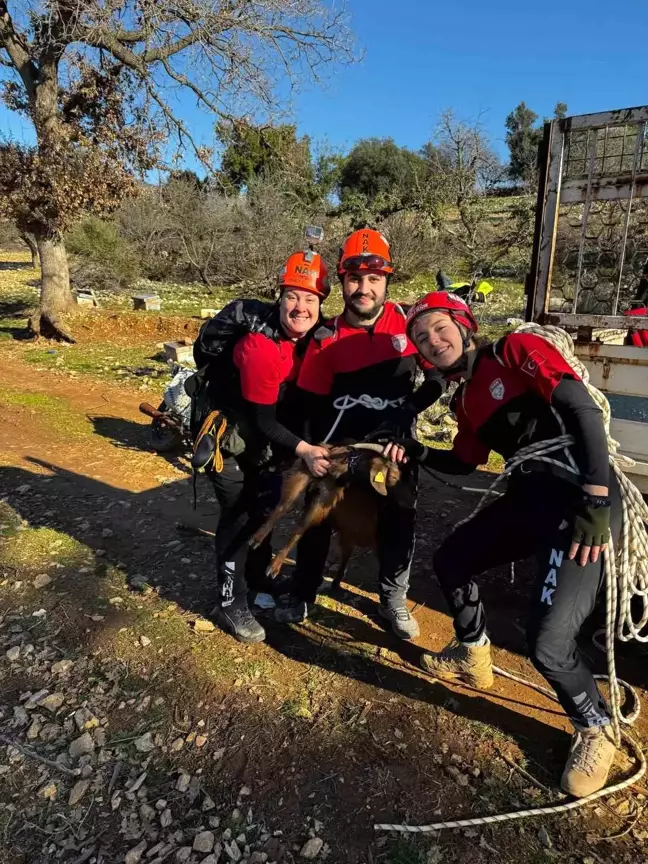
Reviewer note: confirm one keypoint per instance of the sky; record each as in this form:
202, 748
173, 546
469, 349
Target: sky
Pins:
419, 57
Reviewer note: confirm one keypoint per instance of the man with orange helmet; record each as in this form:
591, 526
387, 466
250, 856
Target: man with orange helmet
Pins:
253, 352
360, 372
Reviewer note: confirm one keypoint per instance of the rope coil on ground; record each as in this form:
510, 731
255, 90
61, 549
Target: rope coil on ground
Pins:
626, 577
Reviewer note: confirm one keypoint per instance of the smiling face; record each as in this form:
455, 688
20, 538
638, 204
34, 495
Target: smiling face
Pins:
298, 311
364, 292
438, 338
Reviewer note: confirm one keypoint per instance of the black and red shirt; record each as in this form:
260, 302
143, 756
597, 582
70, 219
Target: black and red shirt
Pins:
376, 364
265, 366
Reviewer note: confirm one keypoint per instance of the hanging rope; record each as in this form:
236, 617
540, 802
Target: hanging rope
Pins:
626, 577
343, 403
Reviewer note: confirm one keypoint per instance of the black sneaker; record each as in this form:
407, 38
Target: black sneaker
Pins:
293, 612
240, 622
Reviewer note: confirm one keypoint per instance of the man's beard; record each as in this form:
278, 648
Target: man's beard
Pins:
365, 312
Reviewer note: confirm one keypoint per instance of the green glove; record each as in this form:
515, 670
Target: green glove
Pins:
592, 521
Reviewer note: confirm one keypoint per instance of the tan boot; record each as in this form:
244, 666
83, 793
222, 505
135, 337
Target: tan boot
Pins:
469, 663
590, 759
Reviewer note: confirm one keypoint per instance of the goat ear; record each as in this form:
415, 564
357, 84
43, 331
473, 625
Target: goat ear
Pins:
378, 477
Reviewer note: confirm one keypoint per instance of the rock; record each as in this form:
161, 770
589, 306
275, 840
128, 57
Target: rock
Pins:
200, 741
100, 737
42, 580
81, 746
215, 856
544, 838
257, 858
78, 791
183, 854
203, 842
177, 745
85, 719
245, 792
62, 667
145, 743
456, 775
135, 854
183, 782
50, 732
13, 654
232, 851
48, 791
21, 490
166, 818
311, 848
214, 821
146, 812
106, 532
34, 730
201, 625
144, 641
35, 699
208, 804
52, 702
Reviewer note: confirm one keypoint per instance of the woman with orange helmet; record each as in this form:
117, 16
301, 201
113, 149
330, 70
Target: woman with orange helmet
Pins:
253, 352
516, 393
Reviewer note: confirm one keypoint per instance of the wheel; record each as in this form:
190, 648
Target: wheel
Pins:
163, 439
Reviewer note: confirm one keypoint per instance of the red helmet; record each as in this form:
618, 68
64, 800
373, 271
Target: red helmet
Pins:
306, 271
365, 249
443, 301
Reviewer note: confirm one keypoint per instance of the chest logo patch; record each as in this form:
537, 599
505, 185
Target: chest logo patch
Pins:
531, 364
400, 342
497, 389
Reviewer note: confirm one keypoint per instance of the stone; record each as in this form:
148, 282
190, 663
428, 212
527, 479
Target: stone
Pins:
257, 858
50, 732
177, 745
208, 804
52, 702
42, 580
166, 818
200, 741
214, 858
48, 791
34, 730
62, 667
201, 625
144, 641
183, 854
311, 848
78, 791
182, 784
203, 842
13, 654
35, 699
145, 743
81, 746
85, 719
134, 855
544, 838
232, 851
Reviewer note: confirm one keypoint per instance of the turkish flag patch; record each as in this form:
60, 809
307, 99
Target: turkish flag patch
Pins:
533, 363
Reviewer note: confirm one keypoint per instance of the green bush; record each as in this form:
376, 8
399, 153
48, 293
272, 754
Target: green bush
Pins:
102, 258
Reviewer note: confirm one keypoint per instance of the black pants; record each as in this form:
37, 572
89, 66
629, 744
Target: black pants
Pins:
533, 518
246, 496
396, 524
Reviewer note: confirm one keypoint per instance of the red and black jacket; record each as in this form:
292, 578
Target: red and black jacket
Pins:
377, 361
522, 391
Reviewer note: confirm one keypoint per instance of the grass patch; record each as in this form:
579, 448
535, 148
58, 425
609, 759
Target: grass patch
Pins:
35, 549
140, 363
55, 413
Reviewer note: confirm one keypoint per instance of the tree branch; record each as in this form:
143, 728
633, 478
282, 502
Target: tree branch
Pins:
17, 47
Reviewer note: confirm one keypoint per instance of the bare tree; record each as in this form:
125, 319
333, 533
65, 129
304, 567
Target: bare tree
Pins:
99, 82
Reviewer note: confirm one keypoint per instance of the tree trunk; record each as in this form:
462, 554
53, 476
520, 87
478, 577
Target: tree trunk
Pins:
33, 248
56, 296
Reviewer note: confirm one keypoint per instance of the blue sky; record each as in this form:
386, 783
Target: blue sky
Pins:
475, 57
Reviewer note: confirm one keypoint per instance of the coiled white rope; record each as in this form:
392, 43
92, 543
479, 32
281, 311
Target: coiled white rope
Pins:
626, 576
343, 403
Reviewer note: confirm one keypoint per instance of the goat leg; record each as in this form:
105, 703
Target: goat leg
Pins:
318, 511
295, 484
346, 551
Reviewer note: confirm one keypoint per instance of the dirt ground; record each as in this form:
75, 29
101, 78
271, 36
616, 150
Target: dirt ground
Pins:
317, 734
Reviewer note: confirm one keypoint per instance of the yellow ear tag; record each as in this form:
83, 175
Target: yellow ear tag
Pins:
380, 477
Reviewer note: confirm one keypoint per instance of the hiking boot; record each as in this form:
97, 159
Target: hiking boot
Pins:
294, 612
469, 663
590, 758
401, 620
239, 622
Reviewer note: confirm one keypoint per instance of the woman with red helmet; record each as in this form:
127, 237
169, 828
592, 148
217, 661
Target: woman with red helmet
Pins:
515, 393
253, 385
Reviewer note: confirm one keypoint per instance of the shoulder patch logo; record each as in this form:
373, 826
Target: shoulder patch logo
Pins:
531, 364
497, 389
400, 342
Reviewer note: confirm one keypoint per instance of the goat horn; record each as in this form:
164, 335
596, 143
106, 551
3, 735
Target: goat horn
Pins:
366, 445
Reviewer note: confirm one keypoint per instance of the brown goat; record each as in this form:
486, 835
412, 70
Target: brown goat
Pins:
344, 495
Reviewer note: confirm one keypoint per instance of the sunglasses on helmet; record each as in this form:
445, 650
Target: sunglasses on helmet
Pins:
365, 262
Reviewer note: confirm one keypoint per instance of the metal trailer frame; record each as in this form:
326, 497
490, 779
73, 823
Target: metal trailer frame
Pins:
556, 188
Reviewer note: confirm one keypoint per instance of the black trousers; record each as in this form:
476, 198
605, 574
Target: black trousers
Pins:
533, 518
246, 496
396, 524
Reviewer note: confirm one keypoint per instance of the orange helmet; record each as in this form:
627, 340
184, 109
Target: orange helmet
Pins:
365, 249
306, 271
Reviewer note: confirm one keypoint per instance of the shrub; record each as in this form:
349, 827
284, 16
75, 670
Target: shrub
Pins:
102, 258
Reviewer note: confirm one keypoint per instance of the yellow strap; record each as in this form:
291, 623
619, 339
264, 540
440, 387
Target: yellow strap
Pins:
218, 456
208, 428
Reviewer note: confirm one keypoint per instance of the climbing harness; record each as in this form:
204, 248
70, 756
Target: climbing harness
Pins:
626, 577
